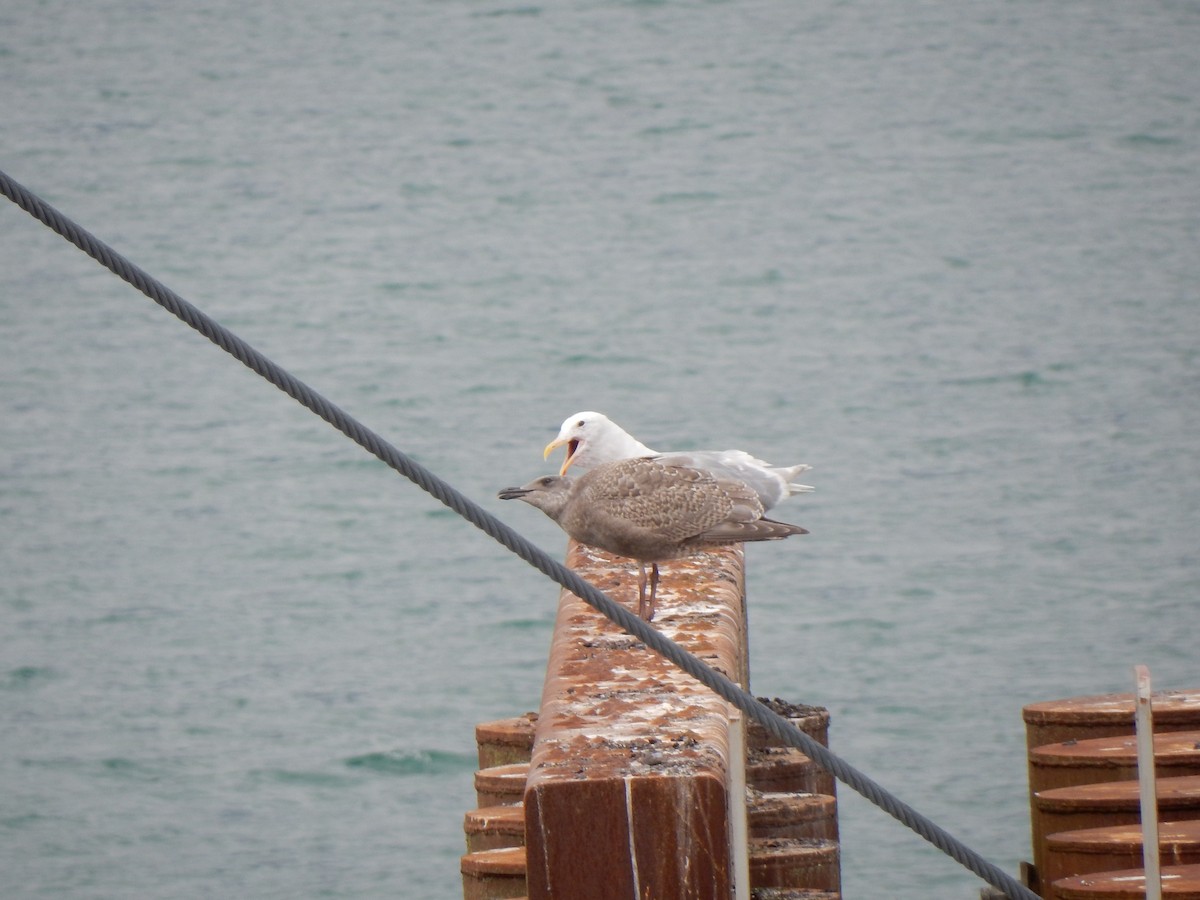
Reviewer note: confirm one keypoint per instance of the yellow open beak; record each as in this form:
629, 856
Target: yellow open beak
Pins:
554, 445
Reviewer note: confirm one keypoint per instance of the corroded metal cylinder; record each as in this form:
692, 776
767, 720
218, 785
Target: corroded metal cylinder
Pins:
1178, 883
501, 785
812, 720
494, 827
494, 874
795, 863
786, 769
791, 815
505, 741
1110, 803
1113, 847
1092, 761
1106, 715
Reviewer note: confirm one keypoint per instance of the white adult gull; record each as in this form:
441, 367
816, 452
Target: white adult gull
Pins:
650, 511
592, 438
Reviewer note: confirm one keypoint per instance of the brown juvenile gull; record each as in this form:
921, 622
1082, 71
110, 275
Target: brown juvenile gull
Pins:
650, 511
593, 438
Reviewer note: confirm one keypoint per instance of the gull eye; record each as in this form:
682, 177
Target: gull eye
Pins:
580, 423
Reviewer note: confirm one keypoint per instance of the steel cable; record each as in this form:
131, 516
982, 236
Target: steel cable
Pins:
777, 725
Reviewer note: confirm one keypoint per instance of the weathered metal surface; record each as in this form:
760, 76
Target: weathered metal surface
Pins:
1178, 883
493, 827
1105, 715
1066, 783
505, 741
1114, 847
1110, 759
786, 769
792, 815
795, 863
1061, 737
627, 794
1114, 803
501, 785
1110, 803
493, 874
812, 720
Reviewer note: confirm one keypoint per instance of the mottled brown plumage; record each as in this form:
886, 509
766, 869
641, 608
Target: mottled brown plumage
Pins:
650, 511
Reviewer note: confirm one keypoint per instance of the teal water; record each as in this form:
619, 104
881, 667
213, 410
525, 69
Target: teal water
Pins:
947, 255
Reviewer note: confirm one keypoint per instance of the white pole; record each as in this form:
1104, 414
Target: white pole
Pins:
739, 827
1144, 722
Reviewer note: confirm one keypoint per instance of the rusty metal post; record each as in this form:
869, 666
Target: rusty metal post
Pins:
629, 786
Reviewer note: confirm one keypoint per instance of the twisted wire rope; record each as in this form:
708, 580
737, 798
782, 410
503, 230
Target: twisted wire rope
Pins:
774, 723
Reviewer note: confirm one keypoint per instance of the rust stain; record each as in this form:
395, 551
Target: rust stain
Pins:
627, 787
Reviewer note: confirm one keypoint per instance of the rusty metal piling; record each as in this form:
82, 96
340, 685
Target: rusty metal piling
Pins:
636, 772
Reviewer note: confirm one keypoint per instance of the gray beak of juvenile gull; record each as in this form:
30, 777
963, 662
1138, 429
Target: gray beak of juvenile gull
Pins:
513, 493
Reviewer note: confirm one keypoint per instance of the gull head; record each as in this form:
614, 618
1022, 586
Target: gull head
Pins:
592, 438
548, 493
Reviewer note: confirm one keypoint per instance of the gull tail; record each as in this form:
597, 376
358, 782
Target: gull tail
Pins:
771, 530
789, 476
758, 530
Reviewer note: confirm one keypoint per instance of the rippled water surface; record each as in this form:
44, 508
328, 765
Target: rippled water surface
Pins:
948, 255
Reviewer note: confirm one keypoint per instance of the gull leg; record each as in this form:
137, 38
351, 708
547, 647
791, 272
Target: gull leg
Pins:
641, 589
653, 590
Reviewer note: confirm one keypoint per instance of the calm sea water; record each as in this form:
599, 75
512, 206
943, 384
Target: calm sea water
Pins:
947, 254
